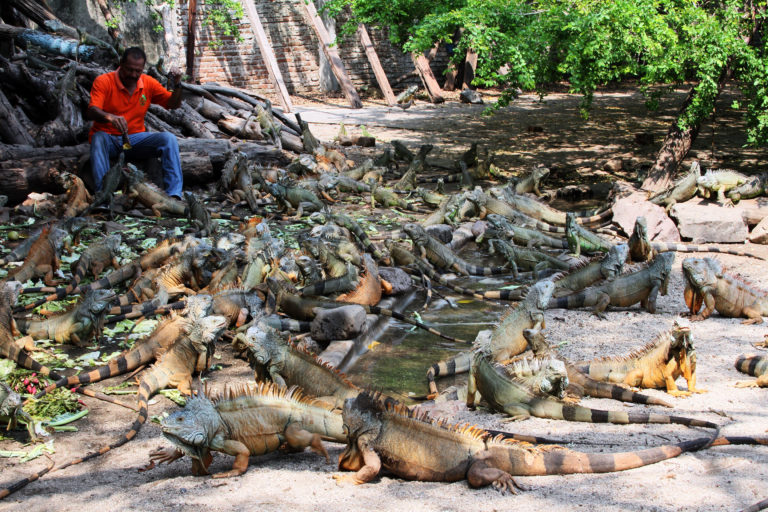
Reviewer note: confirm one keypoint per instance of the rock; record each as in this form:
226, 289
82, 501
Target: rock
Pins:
660, 226
613, 165
753, 210
479, 228
335, 352
704, 223
759, 234
400, 281
470, 96
340, 323
461, 236
442, 232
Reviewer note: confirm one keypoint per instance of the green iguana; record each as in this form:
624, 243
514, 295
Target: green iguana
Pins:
526, 258
199, 216
642, 286
244, 421
11, 411
415, 447
349, 223
756, 366
753, 187
680, 191
109, 184
657, 365
581, 239
43, 258
706, 282
522, 235
147, 193
719, 182
532, 181
609, 268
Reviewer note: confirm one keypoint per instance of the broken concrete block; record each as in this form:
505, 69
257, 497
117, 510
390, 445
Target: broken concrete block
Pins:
660, 226
704, 223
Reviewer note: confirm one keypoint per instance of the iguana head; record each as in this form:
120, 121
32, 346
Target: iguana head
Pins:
318, 218
112, 242
701, 273
540, 172
416, 233
57, 236
97, 301
265, 347
540, 376
202, 333
570, 220
536, 340
540, 294
9, 293
361, 417
198, 306
641, 229
10, 401
65, 180
134, 174
613, 262
661, 267
681, 334
194, 427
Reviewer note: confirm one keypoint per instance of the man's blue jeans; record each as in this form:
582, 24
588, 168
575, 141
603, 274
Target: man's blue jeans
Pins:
144, 145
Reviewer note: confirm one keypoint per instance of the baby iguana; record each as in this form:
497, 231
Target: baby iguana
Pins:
756, 366
507, 339
706, 282
642, 286
244, 421
642, 249
277, 359
720, 181
415, 447
655, 366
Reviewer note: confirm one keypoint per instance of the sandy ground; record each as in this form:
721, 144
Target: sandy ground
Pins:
722, 478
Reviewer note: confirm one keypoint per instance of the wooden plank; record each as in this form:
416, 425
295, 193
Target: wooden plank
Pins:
450, 77
191, 22
337, 66
268, 55
373, 59
470, 65
427, 78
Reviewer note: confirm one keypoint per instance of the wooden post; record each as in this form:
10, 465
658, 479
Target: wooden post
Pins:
470, 65
337, 66
191, 23
427, 78
268, 55
381, 77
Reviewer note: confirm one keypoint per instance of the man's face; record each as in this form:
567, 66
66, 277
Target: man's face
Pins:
130, 70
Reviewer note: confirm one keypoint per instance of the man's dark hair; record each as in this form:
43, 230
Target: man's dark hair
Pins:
135, 52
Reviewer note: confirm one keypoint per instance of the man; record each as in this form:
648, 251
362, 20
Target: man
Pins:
119, 101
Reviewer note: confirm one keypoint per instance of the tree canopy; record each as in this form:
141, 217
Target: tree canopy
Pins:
530, 44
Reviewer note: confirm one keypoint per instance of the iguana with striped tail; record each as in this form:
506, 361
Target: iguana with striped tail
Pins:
247, 420
753, 187
43, 258
581, 239
484, 205
655, 366
78, 324
507, 339
707, 283
191, 353
354, 228
506, 392
543, 212
525, 258
442, 257
581, 384
388, 198
642, 249
642, 286
524, 236
381, 433
756, 366
606, 268
275, 358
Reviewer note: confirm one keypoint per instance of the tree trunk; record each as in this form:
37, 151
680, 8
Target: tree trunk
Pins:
20, 177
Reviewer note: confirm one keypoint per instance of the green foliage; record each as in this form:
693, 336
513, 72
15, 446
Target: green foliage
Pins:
529, 44
224, 16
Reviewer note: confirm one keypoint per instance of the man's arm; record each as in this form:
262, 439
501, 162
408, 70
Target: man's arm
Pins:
96, 114
174, 79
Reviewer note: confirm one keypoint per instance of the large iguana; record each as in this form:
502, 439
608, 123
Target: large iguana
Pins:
277, 359
753, 187
78, 199
531, 181
507, 339
706, 282
642, 249
416, 447
43, 258
526, 258
236, 177
388, 198
515, 396
147, 193
719, 182
642, 286
247, 420
680, 191
581, 239
109, 184
579, 383
524, 236
655, 366
756, 366
355, 228
609, 267
78, 324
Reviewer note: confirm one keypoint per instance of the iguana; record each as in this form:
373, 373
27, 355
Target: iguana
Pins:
78, 199
369, 289
609, 267
11, 411
274, 358
524, 236
236, 178
290, 196
720, 181
642, 286
78, 324
416, 447
680, 191
532, 181
581, 239
525, 258
485, 204
756, 366
642, 249
706, 282
442, 257
507, 339
657, 365
147, 193
109, 184
417, 166
199, 215
244, 421
354, 228
43, 258
514, 396
753, 187
388, 198
545, 213
579, 383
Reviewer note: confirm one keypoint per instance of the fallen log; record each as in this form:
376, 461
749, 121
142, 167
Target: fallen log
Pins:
11, 129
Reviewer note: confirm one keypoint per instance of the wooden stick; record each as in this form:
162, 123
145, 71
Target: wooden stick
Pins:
191, 21
470, 65
427, 78
268, 55
337, 66
378, 71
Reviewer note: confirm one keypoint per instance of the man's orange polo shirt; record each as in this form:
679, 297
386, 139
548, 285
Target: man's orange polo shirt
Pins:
110, 95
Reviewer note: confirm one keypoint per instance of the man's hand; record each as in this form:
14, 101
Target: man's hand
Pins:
118, 122
174, 77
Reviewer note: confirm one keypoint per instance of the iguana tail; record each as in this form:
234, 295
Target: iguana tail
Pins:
19, 355
375, 310
23, 482
572, 301
459, 364
600, 218
665, 247
58, 293
599, 389
281, 323
557, 410
752, 365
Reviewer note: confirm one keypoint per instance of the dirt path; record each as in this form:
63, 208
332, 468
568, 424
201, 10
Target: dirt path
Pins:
723, 478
